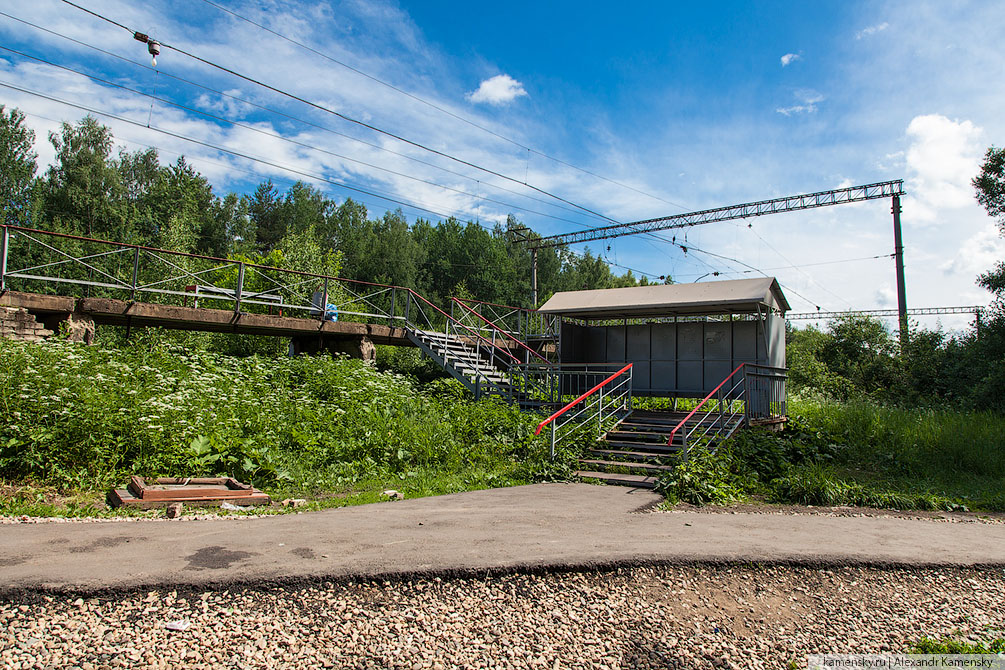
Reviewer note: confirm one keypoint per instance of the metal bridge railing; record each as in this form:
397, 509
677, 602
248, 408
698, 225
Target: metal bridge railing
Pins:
522, 323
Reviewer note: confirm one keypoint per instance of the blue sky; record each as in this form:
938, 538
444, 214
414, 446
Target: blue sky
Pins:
691, 106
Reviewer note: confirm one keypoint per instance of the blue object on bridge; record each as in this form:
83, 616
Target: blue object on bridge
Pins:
331, 312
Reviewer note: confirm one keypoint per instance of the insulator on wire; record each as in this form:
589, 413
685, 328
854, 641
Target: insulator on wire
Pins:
154, 47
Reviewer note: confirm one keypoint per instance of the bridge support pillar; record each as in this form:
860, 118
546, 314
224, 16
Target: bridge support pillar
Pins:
357, 347
75, 326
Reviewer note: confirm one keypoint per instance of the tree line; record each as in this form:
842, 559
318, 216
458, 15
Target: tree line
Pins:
90, 190
132, 197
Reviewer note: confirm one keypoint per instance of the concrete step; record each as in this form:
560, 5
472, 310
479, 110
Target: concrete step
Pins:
654, 447
639, 481
603, 465
660, 456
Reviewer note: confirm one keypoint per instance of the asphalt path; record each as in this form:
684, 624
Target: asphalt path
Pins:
542, 526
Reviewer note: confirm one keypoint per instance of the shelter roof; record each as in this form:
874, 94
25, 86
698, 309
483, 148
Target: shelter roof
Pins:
735, 296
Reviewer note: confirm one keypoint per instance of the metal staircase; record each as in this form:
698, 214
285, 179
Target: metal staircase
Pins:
645, 444
465, 361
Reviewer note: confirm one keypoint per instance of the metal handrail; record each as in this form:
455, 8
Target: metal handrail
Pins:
623, 398
702, 403
580, 398
454, 321
506, 334
529, 315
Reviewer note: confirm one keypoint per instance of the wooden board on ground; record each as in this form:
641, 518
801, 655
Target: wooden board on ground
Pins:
196, 491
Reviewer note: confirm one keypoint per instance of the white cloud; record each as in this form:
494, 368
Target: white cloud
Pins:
498, 90
977, 254
942, 158
788, 59
808, 99
872, 30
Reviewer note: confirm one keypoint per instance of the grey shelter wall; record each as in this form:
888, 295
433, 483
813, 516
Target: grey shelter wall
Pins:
686, 357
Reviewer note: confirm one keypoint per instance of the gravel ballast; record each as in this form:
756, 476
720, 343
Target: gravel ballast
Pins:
745, 616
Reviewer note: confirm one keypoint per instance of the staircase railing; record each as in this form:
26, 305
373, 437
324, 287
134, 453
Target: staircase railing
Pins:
608, 399
526, 324
750, 393
495, 328
496, 355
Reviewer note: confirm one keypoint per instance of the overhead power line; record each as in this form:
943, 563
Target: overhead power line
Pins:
792, 203
435, 106
277, 136
917, 311
342, 116
232, 152
300, 120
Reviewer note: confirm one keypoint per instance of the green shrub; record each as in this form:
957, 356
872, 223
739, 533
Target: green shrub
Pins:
705, 478
87, 417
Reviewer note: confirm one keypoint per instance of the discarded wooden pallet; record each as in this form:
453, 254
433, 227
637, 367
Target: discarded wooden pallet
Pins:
194, 491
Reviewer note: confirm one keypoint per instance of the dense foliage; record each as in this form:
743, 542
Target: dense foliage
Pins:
86, 417
856, 454
131, 197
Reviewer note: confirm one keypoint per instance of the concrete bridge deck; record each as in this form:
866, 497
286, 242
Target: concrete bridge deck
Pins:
107, 311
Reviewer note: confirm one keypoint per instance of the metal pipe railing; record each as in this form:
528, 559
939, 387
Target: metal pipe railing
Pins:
562, 416
496, 328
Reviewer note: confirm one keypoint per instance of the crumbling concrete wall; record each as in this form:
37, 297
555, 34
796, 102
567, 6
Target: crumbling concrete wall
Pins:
361, 348
16, 323
75, 327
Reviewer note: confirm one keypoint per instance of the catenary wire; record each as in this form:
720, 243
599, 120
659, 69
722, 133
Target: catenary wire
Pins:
350, 119
294, 118
284, 139
435, 106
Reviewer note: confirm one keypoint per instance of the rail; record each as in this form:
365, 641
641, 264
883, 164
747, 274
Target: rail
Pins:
619, 398
42, 261
496, 328
521, 322
756, 396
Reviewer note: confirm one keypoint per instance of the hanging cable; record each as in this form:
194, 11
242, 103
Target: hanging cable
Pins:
346, 117
435, 106
300, 120
260, 131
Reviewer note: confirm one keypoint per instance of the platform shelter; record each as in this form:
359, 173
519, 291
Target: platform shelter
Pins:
682, 339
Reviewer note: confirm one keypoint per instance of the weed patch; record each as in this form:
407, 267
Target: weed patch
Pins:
85, 418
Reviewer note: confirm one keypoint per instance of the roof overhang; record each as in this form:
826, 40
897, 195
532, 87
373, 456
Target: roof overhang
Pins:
737, 296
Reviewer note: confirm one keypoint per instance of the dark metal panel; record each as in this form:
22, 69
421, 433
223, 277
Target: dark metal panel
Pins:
640, 375
762, 352
595, 345
776, 341
615, 342
718, 342
571, 350
639, 338
664, 341
663, 376
745, 341
689, 340
689, 376
715, 372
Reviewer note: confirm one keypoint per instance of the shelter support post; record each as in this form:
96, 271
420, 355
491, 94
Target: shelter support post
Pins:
533, 278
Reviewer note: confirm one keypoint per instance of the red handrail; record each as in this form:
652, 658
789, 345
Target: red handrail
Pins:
472, 330
461, 303
710, 394
585, 395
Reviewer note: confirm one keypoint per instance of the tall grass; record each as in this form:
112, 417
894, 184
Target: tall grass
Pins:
86, 417
920, 442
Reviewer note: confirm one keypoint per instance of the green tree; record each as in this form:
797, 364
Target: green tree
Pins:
265, 211
84, 190
17, 166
